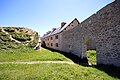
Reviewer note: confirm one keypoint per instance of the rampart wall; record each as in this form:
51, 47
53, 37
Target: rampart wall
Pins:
101, 30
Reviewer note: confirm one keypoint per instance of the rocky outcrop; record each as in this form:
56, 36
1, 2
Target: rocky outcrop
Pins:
15, 37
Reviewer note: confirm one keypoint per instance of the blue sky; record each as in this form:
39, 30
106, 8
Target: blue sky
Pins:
43, 15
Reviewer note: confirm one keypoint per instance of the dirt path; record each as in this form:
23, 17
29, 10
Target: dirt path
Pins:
38, 62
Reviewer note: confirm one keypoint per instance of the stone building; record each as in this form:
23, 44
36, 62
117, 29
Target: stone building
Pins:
52, 39
101, 29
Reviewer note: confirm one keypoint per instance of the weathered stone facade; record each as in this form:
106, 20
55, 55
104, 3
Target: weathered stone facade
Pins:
102, 29
52, 39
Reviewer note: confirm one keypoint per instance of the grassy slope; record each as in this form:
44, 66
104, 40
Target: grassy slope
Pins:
28, 54
45, 71
51, 72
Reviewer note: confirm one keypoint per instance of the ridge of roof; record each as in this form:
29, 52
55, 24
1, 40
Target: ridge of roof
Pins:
59, 29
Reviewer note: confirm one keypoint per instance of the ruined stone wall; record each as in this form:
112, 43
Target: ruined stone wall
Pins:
102, 30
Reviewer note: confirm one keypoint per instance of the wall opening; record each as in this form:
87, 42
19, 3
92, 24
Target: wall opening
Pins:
43, 44
89, 50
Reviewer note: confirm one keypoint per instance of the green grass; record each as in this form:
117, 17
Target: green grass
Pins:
28, 54
91, 55
51, 71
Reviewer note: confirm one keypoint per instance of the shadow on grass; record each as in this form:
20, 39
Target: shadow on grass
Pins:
109, 69
73, 57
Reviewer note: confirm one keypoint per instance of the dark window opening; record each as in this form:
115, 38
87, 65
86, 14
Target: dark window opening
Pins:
51, 44
51, 38
56, 44
56, 37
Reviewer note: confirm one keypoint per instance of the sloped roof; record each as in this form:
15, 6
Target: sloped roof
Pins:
59, 29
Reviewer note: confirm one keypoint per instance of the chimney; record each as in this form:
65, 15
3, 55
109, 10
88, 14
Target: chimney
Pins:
62, 24
53, 29
48, 32
44, 35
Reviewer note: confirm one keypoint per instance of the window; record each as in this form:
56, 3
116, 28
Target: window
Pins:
51, 44
48, 39
48, 44
56, 37
51, 38
56, 44
72, 26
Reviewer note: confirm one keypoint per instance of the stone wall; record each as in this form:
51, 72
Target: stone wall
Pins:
108, 38
102, 31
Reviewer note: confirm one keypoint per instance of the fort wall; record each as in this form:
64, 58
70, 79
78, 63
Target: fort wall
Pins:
101, 31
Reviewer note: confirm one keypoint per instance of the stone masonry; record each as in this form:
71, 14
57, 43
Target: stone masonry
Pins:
101, 29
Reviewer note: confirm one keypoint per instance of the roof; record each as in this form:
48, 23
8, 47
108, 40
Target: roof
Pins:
59, 29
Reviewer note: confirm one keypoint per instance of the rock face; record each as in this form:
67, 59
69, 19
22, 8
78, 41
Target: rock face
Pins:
15, 37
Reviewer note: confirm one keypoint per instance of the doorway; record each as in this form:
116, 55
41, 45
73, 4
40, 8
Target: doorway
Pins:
89, 50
